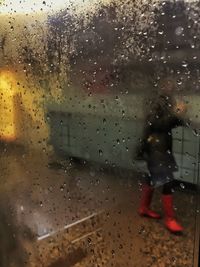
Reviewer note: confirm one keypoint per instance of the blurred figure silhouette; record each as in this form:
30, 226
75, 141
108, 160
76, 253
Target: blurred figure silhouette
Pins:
156, 148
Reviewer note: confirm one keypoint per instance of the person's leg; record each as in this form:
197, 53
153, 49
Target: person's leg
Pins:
167, 198
146, 198
168, 188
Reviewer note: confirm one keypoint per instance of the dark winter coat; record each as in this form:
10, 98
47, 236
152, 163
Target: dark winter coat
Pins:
157, 140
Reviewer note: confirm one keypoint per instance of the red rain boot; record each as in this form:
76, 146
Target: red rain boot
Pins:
144, 210
170, 221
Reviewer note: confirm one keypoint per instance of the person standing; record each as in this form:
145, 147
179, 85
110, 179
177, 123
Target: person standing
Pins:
164, 115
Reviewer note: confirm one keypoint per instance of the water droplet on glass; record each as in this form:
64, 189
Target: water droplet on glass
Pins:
195, 132
61, 188
185, 65
179, 30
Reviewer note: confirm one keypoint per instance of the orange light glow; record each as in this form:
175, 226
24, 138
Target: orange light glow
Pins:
7, 127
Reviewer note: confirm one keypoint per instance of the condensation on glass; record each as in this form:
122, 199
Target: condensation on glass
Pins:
78, 80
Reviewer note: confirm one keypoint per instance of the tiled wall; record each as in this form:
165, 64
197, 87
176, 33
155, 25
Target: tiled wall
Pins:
113, 140
96, 138
186, 148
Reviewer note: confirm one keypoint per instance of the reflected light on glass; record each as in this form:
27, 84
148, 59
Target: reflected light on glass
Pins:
7, 128
29, 6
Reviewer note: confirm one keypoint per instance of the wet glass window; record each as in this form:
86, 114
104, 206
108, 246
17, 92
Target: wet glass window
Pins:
99, 133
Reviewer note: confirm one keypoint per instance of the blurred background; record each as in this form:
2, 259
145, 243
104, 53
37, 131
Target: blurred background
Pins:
75, 81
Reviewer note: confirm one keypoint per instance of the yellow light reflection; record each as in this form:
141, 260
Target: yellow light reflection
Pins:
7, 127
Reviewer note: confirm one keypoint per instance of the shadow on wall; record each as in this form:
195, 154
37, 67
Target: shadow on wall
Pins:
29, 119
23, 121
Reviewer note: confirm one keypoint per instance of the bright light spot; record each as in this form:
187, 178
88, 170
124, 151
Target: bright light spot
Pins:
6, 81
29, 6
7, 127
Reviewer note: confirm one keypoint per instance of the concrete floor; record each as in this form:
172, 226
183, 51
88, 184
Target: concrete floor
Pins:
83, 217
